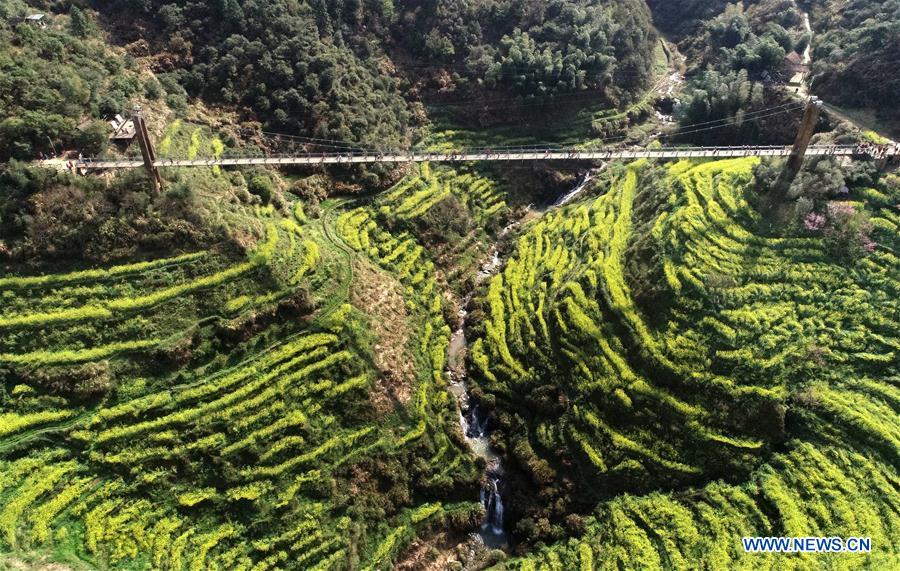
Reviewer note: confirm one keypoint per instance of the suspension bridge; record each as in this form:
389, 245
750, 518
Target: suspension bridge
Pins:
349, 154
531, 154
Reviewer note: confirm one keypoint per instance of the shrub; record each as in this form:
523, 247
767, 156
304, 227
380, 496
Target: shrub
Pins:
847, 233
262, 186
91, 140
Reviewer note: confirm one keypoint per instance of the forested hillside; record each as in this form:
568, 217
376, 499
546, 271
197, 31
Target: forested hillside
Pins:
313, 67
854, 49
735, 51
342, 70
855, 54
682, 17
535, 49
53, 79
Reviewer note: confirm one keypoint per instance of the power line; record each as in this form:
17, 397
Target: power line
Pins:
793, 106
727, 122
318, 142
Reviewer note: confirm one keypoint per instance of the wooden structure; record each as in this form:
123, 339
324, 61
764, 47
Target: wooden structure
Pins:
798, 151
37, 20
123, 131
149, 157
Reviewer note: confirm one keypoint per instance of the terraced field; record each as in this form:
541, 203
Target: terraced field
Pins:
664, 379
590, 126
466, 367
448, 213
683, 380
205, 412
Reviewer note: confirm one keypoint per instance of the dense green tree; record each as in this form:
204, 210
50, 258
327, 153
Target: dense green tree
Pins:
729, 29
53, 78
320, 68
24, 135
855, 53
820, 178
261, 185
855, 46
78, 22
722, 96
534, 49
291, 64
734, 48
91, 140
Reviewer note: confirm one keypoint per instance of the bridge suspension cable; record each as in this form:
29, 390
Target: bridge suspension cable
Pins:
344, 152
682, 130
336, 145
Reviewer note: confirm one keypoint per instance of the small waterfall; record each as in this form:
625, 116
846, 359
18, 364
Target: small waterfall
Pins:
464, 423
476, 426
567, 197
490, 267
493, 507
474, 422
579, 188
476, 430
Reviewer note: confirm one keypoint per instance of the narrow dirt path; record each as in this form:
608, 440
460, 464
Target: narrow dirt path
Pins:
344, 289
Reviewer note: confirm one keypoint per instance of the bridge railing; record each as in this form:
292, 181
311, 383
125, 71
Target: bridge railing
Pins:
498, 155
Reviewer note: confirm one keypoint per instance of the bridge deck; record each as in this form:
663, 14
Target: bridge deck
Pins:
524, 155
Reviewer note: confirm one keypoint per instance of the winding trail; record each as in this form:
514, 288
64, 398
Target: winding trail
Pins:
336, 241
807, 53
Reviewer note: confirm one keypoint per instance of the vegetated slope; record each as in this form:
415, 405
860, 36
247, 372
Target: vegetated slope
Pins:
855, 52
737, 51
55, 77
533, 49
653, 342
855, 47
202, 411
48, 215
678, 17
348, 71
692, 22
448, 213
313, 68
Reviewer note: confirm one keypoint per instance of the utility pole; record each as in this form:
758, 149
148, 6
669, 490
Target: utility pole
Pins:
143, 137
52, 146
798, 152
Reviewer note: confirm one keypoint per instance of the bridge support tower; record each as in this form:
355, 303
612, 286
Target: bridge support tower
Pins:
143, 137
798, 152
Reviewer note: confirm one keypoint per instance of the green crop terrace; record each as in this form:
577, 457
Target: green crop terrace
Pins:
209, 411
657, 364
753, 391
